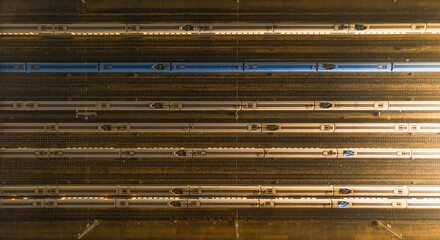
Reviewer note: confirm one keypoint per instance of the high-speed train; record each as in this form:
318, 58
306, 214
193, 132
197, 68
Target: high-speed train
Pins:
220, 202
221, 191
219, 105
220, 67
221, 28
185, 153
224, 127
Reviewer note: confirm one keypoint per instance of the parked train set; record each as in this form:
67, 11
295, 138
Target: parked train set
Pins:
220, 202
187, 153
220, 190
223, 127
220, 28
219, 67
219, 105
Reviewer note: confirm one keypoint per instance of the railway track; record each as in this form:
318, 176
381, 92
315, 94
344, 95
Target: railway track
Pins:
85, 176
215, 55
13, 80
99, 95
230, 15
166, 140
222, 42
218, 55
231, 165
204, 214
221, 117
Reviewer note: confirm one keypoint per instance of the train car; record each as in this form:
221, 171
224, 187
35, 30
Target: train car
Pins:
12, 67
152, 190
151, 203
24, 127
368, 203
237, 28
96, 29
416, 67
413, 105
154, 127
84, 152
155, 29
80, 202
21, 203
58, 190
369, 191
59, 152
425, 153
135, 67
196, 28
296, 203
155, 152
223, 203
355, 67
62, 67
351, 105
82, 127
280, 67
298, 127
312, 28
300, 153
424, 191
30, 105
225, 127
205, 105
27, 191
277, 105
296, 191
23, 152
18, 29
372, 127
78, 190
228, 152
206, 67
388, 28
374, 153
424, 127
225, 191
425, 203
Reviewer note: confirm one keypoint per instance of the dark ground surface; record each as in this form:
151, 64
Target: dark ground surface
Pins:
225, 229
